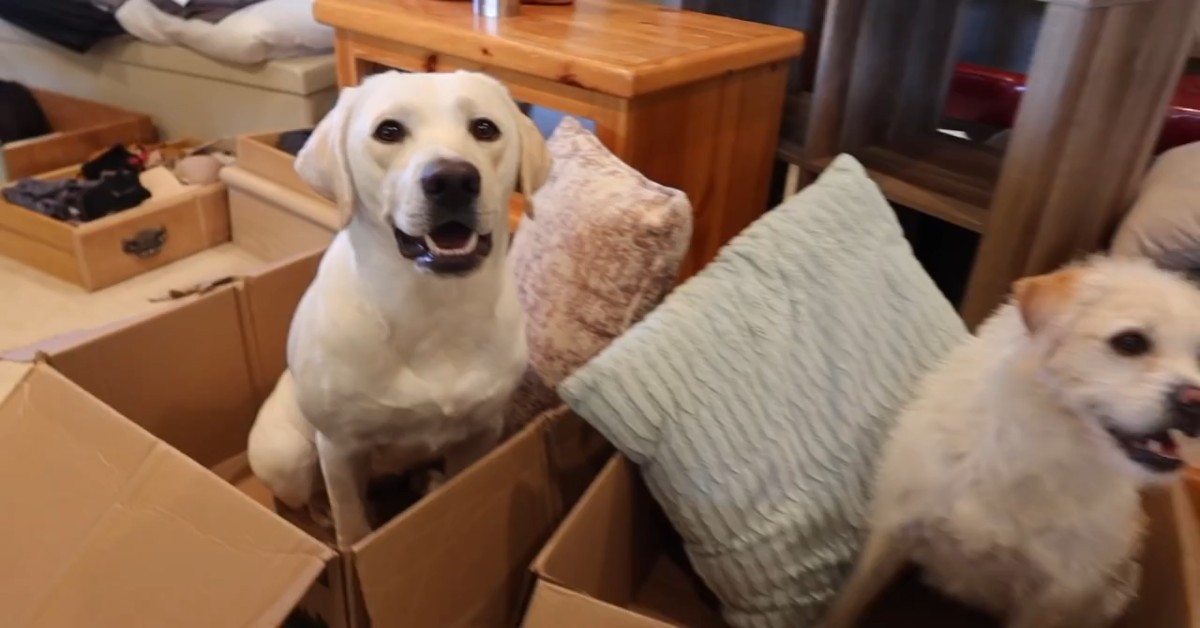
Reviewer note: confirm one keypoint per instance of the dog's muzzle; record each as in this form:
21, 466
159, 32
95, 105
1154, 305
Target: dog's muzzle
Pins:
1158, 451
453, 245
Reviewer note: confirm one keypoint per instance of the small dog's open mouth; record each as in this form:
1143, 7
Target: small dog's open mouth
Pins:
1157, 451
450, 248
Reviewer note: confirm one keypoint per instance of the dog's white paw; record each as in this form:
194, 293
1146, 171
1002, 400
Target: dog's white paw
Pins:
426, 481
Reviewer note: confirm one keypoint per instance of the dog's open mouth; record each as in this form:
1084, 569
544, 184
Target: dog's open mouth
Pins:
450, 248
1157, 452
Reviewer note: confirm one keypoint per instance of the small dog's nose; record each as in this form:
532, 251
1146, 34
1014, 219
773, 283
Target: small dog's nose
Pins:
450, 183
1186, 400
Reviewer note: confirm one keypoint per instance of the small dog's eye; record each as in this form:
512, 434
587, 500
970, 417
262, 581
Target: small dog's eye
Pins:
390, 132
484, 130
1130, 343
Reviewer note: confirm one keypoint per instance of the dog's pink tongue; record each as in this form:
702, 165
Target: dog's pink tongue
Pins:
451, 237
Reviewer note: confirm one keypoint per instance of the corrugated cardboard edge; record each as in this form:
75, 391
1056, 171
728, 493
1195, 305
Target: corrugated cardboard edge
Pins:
556, 606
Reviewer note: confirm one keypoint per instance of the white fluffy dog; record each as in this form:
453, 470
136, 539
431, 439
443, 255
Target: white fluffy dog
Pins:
410, 340
1013, 479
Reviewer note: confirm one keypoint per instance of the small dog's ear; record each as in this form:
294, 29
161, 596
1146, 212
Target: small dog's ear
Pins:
535, 161
1042, 298
322, 164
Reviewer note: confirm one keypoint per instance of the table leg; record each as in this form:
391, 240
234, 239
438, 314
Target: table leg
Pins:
351, 69
715, 140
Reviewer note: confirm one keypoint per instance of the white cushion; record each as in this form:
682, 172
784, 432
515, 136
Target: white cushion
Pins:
271, 29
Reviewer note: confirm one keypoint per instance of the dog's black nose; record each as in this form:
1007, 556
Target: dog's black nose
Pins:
1186, 402
1187, 399
450, 183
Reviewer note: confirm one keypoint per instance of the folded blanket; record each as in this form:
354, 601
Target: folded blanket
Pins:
74, 24
208, 10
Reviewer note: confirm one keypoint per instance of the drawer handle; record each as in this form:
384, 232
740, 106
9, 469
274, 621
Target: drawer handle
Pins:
145, 243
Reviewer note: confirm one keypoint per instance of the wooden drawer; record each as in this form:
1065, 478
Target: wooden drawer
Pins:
258, 155
81, 128
103, 252
272, 221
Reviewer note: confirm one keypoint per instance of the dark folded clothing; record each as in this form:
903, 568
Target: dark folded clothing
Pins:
208, 10
292, 141
116, 159
21, 117
76, 200
74, 24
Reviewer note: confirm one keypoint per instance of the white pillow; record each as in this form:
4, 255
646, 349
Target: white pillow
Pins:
756, 397
271, 29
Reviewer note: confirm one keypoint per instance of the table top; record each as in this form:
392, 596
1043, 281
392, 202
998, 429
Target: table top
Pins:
620, 47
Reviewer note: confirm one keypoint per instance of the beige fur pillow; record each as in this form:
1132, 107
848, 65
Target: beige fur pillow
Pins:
602, 249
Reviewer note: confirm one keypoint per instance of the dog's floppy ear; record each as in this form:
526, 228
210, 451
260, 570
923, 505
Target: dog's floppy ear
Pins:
1043, 298
322, 162
535, 161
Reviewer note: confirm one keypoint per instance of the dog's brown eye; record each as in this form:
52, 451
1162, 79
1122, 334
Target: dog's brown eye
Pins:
390, 132
484, 130
1130, 343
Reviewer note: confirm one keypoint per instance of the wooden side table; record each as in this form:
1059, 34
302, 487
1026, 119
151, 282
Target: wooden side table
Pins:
691, 100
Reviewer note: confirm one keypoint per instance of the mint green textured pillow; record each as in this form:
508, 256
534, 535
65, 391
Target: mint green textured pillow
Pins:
756, 398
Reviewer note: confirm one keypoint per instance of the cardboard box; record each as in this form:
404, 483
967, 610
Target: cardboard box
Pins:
615, 563
193, 377
81, 127
100, 253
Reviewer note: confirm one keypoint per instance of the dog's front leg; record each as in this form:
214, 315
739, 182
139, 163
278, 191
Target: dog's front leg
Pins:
468, 452
880, 561
346, 476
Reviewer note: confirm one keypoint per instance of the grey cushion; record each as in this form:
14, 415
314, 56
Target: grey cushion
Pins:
1164, 224
756, 398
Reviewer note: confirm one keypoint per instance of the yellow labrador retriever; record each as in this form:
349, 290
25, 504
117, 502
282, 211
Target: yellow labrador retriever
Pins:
410, 340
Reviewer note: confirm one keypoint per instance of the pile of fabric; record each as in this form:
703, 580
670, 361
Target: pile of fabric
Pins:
237, 31
118, 179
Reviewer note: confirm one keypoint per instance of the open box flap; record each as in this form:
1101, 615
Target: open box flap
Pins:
183, 375
602, 551
477, 533
554, 606
268, 300
598, 547
1170, 590
105, 525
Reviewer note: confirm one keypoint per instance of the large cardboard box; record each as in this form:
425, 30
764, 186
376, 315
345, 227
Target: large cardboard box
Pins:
615, 563
184, 386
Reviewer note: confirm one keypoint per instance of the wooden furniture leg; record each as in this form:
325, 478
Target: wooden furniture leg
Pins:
714, 140
1102, 76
